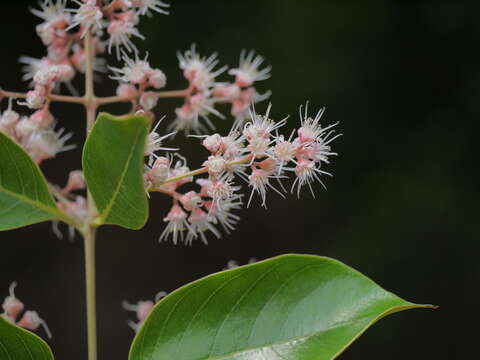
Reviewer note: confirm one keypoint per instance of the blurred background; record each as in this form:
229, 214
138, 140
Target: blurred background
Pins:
402, 79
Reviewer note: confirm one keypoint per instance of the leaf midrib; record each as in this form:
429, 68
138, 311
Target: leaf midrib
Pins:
50, 209
114, 196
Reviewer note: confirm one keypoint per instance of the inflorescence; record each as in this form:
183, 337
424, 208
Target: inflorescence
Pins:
253, 152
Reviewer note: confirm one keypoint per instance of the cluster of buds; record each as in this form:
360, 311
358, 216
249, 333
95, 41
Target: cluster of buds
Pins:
63, 29
136, 78
35, 133
257, 154
204, 91
13, 307
141, 309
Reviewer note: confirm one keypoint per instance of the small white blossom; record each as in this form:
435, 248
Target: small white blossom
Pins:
199, 70
88, 16
145, 7
176, 224
120, 32
248, 70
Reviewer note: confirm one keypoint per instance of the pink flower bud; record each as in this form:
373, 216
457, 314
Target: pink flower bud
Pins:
78, 58
191, 200
213, 143
229, 92
65, 73
148, 100
11, 305
159, 173
157, 79
243, 79
42, 117
31, 321
35, 100
215, 165
143, 309
243, 102
75, 181
9, 119
126, 90
26, 127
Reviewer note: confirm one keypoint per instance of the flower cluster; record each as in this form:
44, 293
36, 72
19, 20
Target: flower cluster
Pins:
36, 133
13, 307
258, 155
203, 91
253, 151
136, 77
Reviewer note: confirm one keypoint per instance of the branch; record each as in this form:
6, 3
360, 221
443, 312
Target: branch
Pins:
199, 171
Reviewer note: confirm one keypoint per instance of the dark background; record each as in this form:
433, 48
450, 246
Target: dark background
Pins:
401, 77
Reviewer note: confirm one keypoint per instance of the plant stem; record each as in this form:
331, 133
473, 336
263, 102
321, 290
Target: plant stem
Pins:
196, 172
90, 231
89, 246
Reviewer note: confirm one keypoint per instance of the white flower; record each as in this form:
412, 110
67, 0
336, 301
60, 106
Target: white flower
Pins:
199, 70
197, 107
248, 70
154, 141
221, 211
88, 16
215, 164
200, 222
55, 17
259, 181
134, 72
176, 224
120, 32
306, 171
32, 66
45, 144
146, 6
261, 126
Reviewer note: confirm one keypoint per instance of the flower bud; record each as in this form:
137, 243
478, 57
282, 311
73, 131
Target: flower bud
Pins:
42, 117
126, 90
215, 165
26, 127
11, 305
9, 119
191, 200
213, 143
31, 321
75, 181
157, 79
35, 100
148, 100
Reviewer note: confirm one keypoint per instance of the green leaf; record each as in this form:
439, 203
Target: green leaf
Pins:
294, 307
113, 160
24, 195
19, 344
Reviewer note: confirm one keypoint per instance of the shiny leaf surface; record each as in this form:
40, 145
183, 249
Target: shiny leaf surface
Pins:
19, 344
294, 307
113, 159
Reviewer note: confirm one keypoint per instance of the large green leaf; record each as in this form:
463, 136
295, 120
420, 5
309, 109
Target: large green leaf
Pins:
113, 166
24, 195
19, 344
293, 307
